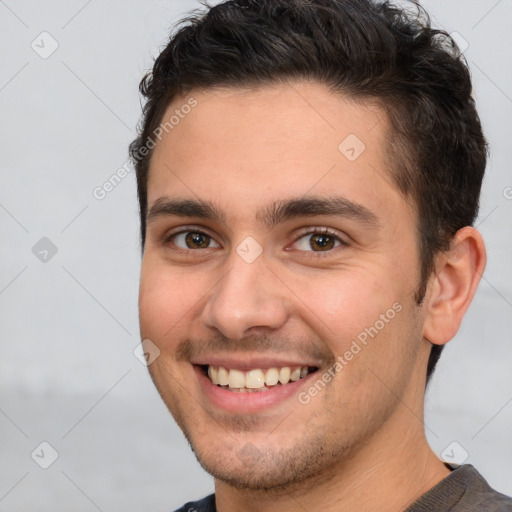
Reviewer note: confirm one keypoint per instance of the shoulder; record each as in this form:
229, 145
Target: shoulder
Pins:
205, 505
464, 490
479, 496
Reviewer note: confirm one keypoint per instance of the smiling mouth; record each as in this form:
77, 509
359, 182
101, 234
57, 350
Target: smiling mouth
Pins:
256, 379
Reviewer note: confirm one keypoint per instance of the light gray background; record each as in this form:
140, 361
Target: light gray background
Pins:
68, 327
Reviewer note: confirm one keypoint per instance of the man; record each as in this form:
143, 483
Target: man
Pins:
308, 176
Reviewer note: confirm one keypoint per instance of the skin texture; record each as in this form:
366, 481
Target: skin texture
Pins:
359, 443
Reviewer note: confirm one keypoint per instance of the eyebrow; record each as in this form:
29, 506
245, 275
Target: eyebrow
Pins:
272, 215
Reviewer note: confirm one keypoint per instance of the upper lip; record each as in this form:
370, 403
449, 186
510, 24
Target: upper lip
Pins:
249, 362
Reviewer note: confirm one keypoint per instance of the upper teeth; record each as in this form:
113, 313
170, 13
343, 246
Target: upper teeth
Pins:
255, 379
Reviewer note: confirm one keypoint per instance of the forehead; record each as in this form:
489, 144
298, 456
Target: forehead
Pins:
246, 147
281, 115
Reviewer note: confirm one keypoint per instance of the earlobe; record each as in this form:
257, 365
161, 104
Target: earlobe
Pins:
453, 285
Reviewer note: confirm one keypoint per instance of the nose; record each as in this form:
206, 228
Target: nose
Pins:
250, 296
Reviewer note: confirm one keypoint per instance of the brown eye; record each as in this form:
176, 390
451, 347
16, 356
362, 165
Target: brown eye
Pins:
197, 240
193, 240
319, 241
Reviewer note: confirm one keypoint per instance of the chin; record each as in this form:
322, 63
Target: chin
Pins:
253, 476
252, 467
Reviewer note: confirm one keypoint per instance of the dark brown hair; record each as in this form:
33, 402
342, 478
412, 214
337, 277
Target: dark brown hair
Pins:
363, 49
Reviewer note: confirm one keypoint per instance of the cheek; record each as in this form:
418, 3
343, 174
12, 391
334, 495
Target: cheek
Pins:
364, 319
342, 305
166, 297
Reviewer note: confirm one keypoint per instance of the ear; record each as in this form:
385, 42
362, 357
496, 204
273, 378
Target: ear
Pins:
453, 285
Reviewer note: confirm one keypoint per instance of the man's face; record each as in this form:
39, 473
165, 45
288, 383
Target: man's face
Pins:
312, 264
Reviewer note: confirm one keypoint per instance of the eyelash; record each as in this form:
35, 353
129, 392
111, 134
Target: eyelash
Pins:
307, 231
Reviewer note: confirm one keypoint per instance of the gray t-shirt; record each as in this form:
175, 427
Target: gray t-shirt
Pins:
463, 490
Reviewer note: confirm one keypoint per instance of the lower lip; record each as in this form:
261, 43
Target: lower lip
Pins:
248, 402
